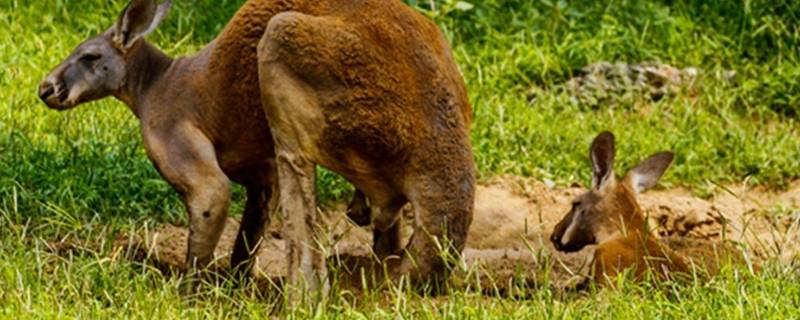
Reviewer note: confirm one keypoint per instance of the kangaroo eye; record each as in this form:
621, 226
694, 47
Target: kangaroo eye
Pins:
90, 57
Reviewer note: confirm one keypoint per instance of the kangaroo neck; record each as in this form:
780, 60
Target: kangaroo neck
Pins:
145, 67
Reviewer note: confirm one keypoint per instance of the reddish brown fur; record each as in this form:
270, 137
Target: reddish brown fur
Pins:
396, 118
201, 116
634, 248
638, 250
369, 90
609, 215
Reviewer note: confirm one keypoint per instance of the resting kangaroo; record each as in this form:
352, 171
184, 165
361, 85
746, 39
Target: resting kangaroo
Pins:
201, 117
609, 215
367, 89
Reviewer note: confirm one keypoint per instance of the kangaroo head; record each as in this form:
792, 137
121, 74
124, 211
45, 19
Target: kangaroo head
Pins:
610, 206
98, 67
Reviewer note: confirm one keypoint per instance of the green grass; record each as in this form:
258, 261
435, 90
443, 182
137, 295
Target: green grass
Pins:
84, 173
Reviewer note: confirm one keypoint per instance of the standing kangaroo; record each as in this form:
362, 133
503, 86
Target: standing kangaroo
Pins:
201, 117
367, 89
609, 215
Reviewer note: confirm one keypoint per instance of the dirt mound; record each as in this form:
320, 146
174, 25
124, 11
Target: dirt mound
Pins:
512, 222
748, 217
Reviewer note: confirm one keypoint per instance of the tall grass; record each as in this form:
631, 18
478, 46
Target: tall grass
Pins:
84, 173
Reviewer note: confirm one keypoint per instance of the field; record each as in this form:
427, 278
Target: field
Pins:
83, 175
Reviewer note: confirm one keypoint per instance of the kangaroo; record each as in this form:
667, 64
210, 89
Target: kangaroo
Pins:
609, 215
369, 90
201, 116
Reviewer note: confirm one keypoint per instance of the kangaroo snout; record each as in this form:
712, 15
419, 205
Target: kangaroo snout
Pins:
555, 238
52, 94
46, 89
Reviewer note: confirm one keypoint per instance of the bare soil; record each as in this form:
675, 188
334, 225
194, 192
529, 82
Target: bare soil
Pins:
513, 217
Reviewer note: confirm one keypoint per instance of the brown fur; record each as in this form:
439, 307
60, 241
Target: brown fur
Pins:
609, 216
390, 113
201, 116
369, 90
634, 247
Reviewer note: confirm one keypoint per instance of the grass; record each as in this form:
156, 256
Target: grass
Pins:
83, 173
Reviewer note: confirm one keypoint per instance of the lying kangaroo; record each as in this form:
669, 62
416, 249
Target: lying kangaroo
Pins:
609, 215
369, 89
201, 116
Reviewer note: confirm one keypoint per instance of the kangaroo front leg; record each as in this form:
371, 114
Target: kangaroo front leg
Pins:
186, 158
255, 218
297, 204
443, 213
207, 201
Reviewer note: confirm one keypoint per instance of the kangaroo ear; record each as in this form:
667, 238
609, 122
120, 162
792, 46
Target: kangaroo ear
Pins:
602, 155
645, 175
138, 19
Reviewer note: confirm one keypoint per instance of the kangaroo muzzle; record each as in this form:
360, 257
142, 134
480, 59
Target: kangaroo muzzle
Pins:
53, 93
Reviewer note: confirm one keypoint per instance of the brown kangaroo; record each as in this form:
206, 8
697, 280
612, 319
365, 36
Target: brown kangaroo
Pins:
609, 215
201, 116
369, 89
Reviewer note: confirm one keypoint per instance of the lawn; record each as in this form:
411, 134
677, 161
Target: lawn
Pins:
83, 174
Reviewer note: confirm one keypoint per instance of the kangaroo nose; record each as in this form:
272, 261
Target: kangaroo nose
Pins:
556, 241
46, 89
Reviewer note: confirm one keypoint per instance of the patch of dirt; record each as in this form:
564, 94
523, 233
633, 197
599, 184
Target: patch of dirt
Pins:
739, 214
513, 217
